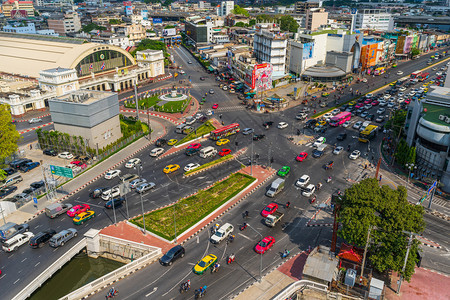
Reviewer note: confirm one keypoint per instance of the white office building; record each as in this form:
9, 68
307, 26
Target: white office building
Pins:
225, 8
270, 47
378, 19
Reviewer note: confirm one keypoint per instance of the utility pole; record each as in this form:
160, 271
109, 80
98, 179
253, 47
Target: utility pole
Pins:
136, 99
404, 265
142, 202
365, 252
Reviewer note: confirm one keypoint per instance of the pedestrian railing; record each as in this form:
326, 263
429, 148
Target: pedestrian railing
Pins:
298, 285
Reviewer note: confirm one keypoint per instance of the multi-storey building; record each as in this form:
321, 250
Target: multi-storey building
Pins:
9, 6
270, 47
302, 6
378, 19
225, 8
199, 32
316, 17
64, 24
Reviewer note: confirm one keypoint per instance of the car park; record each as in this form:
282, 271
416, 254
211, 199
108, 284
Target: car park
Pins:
355, 154
302, 181
284, 171
265, 244
7, 190
144, 187
38, 184
133, 163
380, 119
301, 156
171, 168
205, 264
50, 152
112, 173
338, 150
172, 255
336, 111
375, 103
65, 155
364, 114
357, 125
367, 106
369, 117
29, 166
224, 152
191, 166
156, 152
78, 209
83, 217
383, 103
282, 125
359, 110
391, 105
402, 89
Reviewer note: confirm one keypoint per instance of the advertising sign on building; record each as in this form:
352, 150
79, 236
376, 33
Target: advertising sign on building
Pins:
144, 14
128, 10
262, 77
408, 45
157, 21
308, 50
169, 32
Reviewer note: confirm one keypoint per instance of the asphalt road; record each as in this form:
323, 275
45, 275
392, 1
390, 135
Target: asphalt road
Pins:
20, 267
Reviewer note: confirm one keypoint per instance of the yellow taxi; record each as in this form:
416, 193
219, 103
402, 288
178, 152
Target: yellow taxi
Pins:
325, 94
205, 264
321, 122
222, 142
352, 103
430, 82
425, 90
172, 142
84, 216
171, 168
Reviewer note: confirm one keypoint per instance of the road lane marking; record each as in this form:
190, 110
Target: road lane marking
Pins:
37, 264
244, 236
55, 249
16, 281
154, 290
24, 259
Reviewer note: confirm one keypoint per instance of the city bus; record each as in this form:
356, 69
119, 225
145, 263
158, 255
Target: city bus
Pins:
340, 118
224, 131
423, 76
367, 134
379, 71
414, 75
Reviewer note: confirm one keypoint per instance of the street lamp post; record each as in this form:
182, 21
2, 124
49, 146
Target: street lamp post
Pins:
136, 99
260, 265
142, 202
410, 168
406, 260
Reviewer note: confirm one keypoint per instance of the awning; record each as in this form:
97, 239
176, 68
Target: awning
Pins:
210, 69
324, 71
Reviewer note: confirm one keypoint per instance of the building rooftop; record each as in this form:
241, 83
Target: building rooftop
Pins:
83, 96
321, 264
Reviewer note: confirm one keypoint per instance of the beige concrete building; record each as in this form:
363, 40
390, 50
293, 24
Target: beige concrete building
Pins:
93, 115
65, 24
316, 17
301, 7
134, 32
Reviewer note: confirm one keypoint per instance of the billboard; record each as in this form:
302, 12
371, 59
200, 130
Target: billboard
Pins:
262, 77
308, 50
169, 32
408, 44
144, 14
128, 10
157, 21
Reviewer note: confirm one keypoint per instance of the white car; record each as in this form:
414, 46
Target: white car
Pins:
34, 120
402, 89
387, 96
247, 131
400, 73
338, 150
346, 124
309, 190
74, 168
301, 116
336, 111
381, 110
328, 115
364, 80
439, 73
383, 103
198, 116
412, 93
132, 163
282, 125
369, 95
319, 141
16, 241
302, 181
209, 112
391, 105
111, 174
191, 166
111, 193
65, 155
367, 106
401, 94
355, 154
156, 152
357, 125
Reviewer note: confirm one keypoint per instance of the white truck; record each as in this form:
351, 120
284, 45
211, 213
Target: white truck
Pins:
272, 220
222, 233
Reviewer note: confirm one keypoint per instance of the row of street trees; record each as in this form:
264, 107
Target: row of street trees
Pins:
9, 137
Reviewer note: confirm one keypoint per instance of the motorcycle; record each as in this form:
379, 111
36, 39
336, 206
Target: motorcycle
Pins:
285, 254
329, 179
230, 259
215, 269
199, 293
243, 226
112, 293
313, 199
230, 239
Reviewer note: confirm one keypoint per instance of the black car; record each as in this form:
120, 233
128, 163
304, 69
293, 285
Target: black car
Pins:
117, 202
317, 153
7, 190
172, 255
191, 151
160, 142
370, 117
203, 119
311, 123
41, 238
97, 193
37, 184
82, 158
50, 152
29, 190
267, 123
341, 136
19, 162
9, 171
257, 137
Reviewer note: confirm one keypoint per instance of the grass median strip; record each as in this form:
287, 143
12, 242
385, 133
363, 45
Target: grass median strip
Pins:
204, 129
191, 210
211, 163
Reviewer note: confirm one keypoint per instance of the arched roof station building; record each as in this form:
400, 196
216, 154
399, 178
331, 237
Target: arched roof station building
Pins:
61, 65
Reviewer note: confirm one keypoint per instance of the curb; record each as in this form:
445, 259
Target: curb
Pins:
26, 120
34, 128
439, 273
315, 214
427, 242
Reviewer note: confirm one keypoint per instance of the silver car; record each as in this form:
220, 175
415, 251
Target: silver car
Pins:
144, 187
34, 120
137, 182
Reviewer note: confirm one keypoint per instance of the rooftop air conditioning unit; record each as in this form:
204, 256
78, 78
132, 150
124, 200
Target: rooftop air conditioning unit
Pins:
442, 117
447, 120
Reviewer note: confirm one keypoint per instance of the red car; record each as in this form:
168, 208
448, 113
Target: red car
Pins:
79, 163
270, 209
407, 101
301, 156
359, 105
367, 101
376, 102
265, 244
215, 106
224, 152
77, 209
194, 146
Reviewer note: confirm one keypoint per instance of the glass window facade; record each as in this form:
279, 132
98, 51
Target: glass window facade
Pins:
101, 61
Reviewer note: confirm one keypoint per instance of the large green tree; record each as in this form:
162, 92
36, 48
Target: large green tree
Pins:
8, 136
240, 11
390, 215
287, 23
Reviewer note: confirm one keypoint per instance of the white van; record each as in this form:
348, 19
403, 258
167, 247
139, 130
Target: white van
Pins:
16, 241
179, 128
12, 179
208, 152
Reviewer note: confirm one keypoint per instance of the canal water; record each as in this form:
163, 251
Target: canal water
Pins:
77, 272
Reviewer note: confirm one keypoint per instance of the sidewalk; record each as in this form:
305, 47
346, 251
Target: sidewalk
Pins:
31, 210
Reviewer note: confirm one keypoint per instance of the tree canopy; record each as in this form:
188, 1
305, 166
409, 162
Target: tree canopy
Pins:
91, 26
8, 135
388, 243
115, 21
287, 23
240, 11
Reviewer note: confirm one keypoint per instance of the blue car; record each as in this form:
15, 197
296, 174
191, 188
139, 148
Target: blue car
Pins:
29, 166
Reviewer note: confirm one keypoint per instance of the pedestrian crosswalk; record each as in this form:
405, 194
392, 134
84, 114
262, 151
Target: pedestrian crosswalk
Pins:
225, 109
